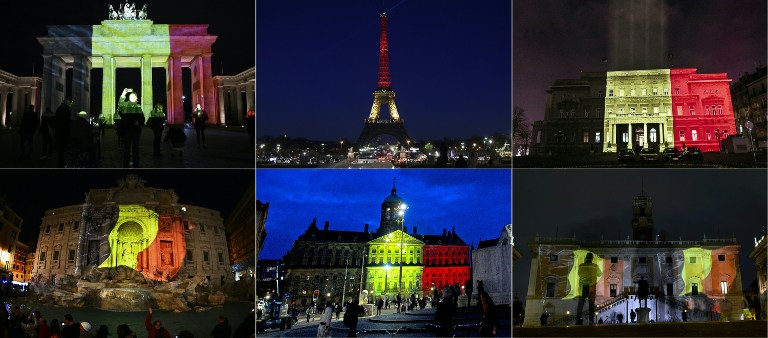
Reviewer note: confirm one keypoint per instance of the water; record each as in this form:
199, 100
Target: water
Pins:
199, 323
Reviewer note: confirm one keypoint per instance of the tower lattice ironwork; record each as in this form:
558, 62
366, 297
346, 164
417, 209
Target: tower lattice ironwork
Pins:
384, 95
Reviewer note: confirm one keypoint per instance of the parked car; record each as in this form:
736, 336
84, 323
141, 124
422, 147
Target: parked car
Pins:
670, 154
692, 154
626, 155
649, 154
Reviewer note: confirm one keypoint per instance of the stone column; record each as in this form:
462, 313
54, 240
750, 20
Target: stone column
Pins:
53, 81
629, 135
146, 85
3, 103
175, 109
645, 135
81, 84
17, 107
250, 96
108, 99
207, 89
221, 101
239, 99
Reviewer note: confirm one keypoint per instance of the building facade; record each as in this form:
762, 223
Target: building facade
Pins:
240, 231
235, 94
10, 228
21, 92
492, 263
749, 104
132, 225
19, 263
330, 264
758, 254
573, 117
577, 282
262, 210
29, 266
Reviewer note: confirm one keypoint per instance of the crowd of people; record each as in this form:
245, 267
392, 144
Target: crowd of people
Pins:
77, 140
18, 324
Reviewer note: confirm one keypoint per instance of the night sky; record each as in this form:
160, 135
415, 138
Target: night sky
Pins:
318, 62
597, 204
31, 192
231, 20
476, 202
713, 36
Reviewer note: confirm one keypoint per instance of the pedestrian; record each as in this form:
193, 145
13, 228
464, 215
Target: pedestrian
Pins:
43, 330
132, 119
543, 319
124, 331
81, 140
61, 136
55, 328
309, 314
488, 322
444, 315
600, 321
398, 299
156, 122
324, 329
222, 329
354, 310
102, 123
30, 121
461, 162
102, 332
200, 118
156, 329
250, 125
30, 325
620, 317
338, 310
379, 305
47, 123
632, 315
71, 329
118, 130
472, 161
85, 330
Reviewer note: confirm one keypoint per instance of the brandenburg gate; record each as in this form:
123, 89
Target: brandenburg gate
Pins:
128, 40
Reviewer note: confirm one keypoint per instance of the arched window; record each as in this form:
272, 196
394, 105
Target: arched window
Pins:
653, 134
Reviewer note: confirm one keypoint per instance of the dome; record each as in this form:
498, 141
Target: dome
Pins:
393, 198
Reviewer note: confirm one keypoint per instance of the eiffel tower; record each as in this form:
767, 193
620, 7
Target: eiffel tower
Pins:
375, 127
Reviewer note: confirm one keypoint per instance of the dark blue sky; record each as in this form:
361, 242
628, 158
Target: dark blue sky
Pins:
558, 39
317, 66
591, 204
476, 202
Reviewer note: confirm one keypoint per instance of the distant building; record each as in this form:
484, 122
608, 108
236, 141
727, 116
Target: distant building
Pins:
19, 263
329, 264
10, 227
749, 104
234, 95
579, 281
262, 210
759, 256
20, 92
132, 225
29, 266
270, 276
240, 231
492, 263
573, 119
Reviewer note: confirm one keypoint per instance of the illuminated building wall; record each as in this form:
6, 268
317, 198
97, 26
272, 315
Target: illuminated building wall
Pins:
758, 254
10, 227
21, 91
703, 110
384, 254
749, 96
446, 261
19, 262
638, 109
234, 95
132, 225
29, 266
240, 234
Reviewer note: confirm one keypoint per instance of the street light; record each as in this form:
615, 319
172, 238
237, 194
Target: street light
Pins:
402, 208
567, 317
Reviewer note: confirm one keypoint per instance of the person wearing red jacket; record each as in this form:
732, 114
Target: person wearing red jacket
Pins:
156, 329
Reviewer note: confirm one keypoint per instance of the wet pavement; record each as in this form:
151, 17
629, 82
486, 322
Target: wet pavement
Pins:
225, 148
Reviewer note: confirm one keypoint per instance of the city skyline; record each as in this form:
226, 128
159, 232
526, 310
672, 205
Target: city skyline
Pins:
597, 204
449, 61
350, 199
699, 33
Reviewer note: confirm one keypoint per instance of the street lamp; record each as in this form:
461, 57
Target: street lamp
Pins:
567, 317
402, 208
342, 147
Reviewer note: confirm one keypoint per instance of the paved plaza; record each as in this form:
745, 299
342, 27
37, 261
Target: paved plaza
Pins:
227, 147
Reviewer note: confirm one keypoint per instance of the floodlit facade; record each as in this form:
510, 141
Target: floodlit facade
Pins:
10, 227
492, 263
578, 281
749, 104
758, 254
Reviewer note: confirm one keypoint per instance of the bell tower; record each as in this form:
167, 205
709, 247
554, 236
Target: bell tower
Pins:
391, 212
642, 217
384, 95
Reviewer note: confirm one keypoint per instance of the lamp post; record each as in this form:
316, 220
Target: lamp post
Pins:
362, 270
567, 317
342, 147
402, 208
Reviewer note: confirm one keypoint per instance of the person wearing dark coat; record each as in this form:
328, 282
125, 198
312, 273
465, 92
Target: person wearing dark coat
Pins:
250, 125
47, 123
132, 119
354, 310
156, 122
71, 328
222, 329
29, 124
461, 162
200, 118
156, 329
488, 323
61, 138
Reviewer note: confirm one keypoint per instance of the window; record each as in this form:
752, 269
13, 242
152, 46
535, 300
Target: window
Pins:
645, 92
645, 110
586, 113
598, 112
621, 92
597, 137
562, 113
202, 228
216, 232
692, 260
613, 290
610, 92
621, 110
632, 110
221, 258
47, 229
653, 134
61, 227
719, 110
632, 92
205, 256
707, 107
694, 289
666, 91
655, 110
724, 287
691, 110
586, 137
655, 91
625, 137
189, 255
682, 136
600, 93
76, 225
709, 135
550, 290
721, 258
641, 260
71, 256
694, 135
679, 110
614, 259
668, 260
42, 256
55, 255
553, 258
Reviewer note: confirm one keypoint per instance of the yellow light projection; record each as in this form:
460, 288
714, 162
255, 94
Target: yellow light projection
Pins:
134, 231
583, 272
696, 268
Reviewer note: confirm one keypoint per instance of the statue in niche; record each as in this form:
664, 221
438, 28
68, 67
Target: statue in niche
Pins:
129, 254
166, 256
